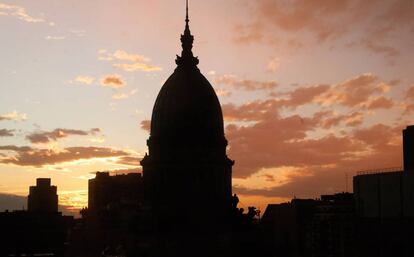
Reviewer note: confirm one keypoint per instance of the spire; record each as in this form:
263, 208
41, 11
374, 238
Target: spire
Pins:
186, 14
187, 57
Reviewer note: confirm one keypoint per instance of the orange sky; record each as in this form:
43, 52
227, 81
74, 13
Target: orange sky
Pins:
312, 91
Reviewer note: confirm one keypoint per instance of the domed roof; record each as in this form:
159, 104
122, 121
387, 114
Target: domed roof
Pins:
187, 108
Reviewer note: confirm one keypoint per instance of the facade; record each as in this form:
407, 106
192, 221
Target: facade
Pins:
187, 174
311, 227
388, 194
384, 207
286, 226
106, 192
385, 194
332, 230
42, 197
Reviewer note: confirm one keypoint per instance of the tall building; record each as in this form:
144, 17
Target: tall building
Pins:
408, 148
106, 192
40, 231
42, 197
388, 193
384, 207
187, 173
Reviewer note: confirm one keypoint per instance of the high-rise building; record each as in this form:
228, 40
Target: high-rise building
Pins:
187, 173
42, 197
109, 193
408, 148
388, 193
384, 207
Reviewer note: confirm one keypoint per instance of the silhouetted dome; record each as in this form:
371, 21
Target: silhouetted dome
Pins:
187, 121
187, 106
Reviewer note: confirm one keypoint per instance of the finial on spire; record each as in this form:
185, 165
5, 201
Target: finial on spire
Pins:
187, 39
186, 12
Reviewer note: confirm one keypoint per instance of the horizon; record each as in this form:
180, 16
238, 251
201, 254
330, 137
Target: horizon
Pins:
311, 93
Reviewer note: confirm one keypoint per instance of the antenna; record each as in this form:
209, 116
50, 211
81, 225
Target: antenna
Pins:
346, 181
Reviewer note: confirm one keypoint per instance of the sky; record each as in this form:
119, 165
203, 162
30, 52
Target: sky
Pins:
312, 91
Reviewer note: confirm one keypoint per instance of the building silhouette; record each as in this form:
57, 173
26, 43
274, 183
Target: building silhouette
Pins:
388, 193
408, 146
39, 231
311, 227
332, 229
42, 197
384, 206
121, 192
187, 174
286, 227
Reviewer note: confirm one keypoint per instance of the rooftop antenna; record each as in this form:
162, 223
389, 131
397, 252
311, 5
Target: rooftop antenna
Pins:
346, 181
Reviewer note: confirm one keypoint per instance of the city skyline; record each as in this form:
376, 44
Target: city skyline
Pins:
306, 97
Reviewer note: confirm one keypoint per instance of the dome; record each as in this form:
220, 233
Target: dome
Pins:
187, 115
187, 107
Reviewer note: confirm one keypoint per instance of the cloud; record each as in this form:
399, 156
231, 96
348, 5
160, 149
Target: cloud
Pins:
269, 108
104, 55
380, 103
19, 12
273, 65
278, 152
27, 156
136, 67
129, 160
223, 92
410, 93
114, 81
146, 125
373, 25
409, 104
77, 32
245, 84
47, 136
55, 37
136, 62
283, 141
359, 91
264, 134
305, 95
6, 132
125, 171
121, 96
252, 111
87, 80
319, 165
16, 116
329, 119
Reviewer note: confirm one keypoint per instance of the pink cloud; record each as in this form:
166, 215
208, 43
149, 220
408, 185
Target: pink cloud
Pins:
27, 156
47, 136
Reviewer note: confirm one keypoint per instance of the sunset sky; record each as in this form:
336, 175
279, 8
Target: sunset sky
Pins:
312, 91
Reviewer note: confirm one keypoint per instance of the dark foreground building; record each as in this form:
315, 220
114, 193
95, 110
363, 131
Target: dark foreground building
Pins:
42, 197
121, 192
40, 231
384, 202
311, 227
188, 207
187, 173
